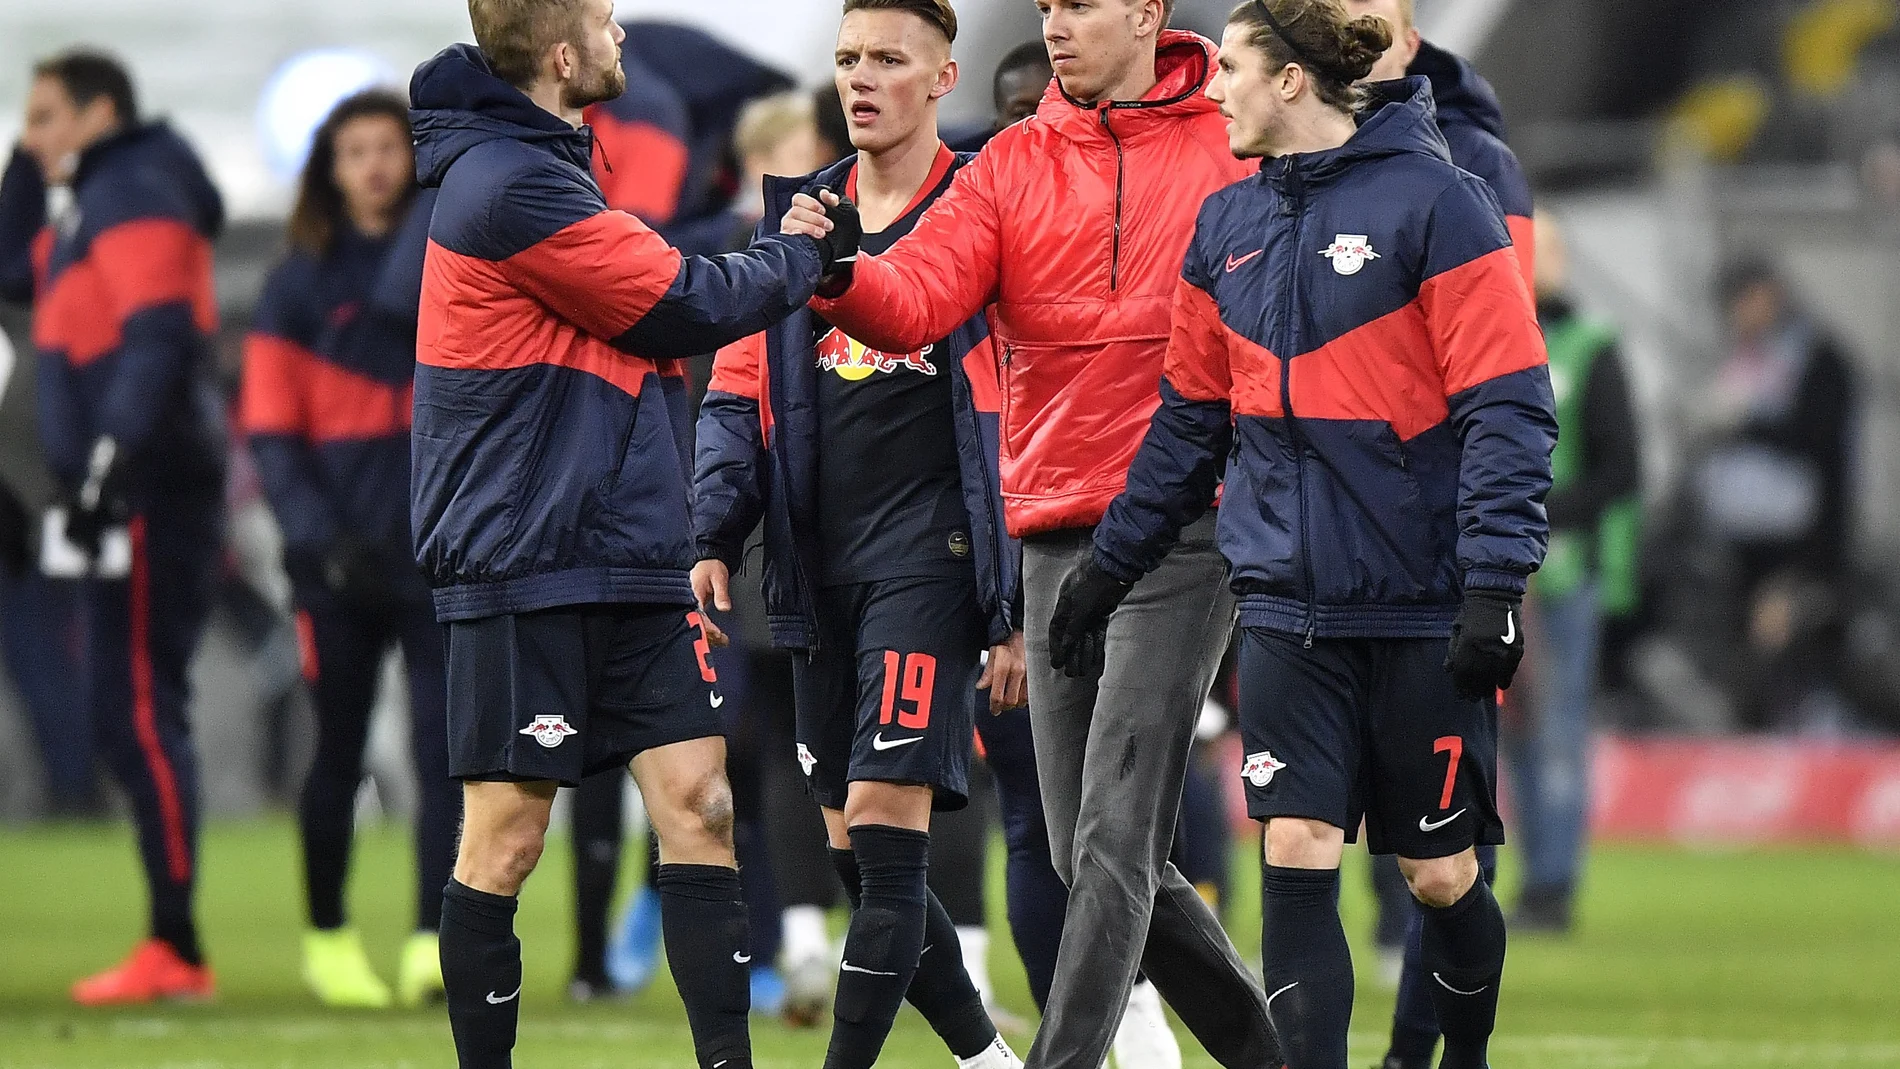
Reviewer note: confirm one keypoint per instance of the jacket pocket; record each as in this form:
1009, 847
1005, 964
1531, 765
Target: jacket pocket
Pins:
1371, 536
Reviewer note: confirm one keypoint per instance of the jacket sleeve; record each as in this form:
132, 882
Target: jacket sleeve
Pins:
1491, 360
22, 216
610, 275
273, 411
729, 462
1178, 468
940, 274
1612, 466
152, 272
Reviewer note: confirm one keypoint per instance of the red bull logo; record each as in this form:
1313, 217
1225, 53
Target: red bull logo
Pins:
839, 352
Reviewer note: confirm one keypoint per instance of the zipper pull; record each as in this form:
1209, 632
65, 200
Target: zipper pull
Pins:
1310, 628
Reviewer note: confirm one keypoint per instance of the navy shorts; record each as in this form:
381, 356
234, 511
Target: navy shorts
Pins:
564, 693
1368, 728
890, 694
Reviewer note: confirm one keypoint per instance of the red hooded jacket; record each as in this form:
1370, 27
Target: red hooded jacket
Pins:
1073, 224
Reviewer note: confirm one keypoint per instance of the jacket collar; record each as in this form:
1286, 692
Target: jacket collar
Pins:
1184, 64
456, 103
1399, 119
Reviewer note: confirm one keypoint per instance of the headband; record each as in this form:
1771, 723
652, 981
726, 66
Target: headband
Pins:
1292, 45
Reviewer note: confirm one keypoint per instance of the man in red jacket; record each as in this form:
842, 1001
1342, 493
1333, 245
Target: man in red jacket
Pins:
1073, 224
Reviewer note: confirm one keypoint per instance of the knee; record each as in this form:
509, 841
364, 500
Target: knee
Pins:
706, 811
1297, 843
500, 860
1441, 882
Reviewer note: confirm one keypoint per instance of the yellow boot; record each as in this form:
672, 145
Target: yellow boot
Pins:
338, 972
419, 979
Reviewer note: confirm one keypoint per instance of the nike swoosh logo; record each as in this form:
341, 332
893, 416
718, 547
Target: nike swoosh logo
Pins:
741, 958
1455, 991
496, 1000
718, 701
1510, 627
1280, 992
1427, 824
848, 967
878, 743
1234, 265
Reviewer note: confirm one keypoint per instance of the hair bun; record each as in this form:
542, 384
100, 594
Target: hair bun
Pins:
1361, 42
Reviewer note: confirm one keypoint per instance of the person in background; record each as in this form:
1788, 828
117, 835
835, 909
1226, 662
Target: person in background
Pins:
326, 405
640, 145
1472, 121
123, 319
775, 135
1021, 80
1589, 570
1774, 486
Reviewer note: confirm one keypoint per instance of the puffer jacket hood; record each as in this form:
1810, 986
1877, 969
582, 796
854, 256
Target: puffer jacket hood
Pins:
165, 161
1464, 96
457, 103
1400, 118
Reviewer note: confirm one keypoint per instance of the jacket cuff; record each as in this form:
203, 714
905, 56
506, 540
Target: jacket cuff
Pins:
1114, 569
1494, 579
711, 549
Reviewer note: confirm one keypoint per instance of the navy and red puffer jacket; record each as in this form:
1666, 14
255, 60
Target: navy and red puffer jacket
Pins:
327, 395
124, 309
1072, 224
1352, 328
1472, 121
550, 443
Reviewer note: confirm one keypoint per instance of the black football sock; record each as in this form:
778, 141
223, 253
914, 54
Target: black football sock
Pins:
941, 989
597, 836
481, 971
883, 944
703, 917
1414, 1017
1309, 979
1463, 946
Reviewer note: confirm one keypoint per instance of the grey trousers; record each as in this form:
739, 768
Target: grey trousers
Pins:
1111, 757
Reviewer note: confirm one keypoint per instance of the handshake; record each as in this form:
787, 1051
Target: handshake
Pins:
833, 221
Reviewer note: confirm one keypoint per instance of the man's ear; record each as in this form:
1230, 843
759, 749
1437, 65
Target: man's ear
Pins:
946, 80
561, 61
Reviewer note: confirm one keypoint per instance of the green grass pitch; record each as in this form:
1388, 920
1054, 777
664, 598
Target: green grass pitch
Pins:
1684, 960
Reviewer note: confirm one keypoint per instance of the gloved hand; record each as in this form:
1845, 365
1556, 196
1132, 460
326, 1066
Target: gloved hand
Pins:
1487, 642
1078, 630
100, 502
840, 246
356, 572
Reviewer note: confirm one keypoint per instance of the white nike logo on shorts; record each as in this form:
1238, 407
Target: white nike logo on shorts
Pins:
1428, 824
1455, 991
716, 700
878, 743
741, 958
848, 967
496, 1000
1510, 627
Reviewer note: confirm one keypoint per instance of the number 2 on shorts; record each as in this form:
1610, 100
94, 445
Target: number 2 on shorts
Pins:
911, 676
1455, 745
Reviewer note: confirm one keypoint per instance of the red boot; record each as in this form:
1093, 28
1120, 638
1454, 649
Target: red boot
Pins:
154, 971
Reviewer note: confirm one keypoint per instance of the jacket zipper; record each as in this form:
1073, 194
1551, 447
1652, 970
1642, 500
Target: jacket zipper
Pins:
1298, 189
1115, 255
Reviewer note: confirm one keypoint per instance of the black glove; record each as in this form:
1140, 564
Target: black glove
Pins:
1078, 630
357, 572
100, 502
840, 247
1487, 642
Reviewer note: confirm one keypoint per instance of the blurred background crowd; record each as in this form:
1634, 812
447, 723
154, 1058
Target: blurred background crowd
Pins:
1719, 183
